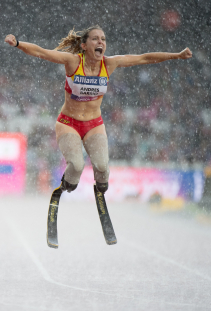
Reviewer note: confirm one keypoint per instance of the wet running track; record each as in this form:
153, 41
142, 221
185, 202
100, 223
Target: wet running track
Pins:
161, 261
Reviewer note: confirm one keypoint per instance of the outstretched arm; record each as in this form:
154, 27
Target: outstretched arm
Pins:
37, 51
148, 58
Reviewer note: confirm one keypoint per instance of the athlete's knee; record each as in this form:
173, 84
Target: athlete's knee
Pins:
76, 165
101, 166
73, 171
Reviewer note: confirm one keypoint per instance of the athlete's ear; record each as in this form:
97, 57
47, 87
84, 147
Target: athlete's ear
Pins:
83, 45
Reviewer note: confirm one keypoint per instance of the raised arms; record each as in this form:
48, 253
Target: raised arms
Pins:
37, 51
71, 60
148, 58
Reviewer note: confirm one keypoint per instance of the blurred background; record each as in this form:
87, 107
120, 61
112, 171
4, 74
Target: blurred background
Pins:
158, 117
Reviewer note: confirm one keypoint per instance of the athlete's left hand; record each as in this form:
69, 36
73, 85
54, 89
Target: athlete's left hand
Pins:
186, 53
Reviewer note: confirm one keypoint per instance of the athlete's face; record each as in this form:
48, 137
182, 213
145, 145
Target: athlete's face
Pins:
95, 45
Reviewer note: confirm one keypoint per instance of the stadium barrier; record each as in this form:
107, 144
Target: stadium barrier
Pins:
143, 184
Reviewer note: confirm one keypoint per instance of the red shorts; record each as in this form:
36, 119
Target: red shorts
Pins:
82, 127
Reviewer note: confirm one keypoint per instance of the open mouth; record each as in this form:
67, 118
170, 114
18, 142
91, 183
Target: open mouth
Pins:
99, 50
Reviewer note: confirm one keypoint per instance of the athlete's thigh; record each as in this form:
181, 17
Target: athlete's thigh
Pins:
100, 129
64, 129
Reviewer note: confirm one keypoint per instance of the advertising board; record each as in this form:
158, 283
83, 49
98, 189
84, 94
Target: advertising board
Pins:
12, 163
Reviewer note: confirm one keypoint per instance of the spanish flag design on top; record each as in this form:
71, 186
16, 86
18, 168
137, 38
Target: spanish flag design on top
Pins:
87, 88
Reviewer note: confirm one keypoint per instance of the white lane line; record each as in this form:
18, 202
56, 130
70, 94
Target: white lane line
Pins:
166, 259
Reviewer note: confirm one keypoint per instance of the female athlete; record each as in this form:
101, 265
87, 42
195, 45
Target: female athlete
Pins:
87, 76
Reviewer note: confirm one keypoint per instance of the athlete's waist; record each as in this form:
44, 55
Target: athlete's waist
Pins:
81, 111
73, 121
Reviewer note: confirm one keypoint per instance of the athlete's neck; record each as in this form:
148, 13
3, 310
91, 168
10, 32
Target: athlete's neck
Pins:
91, 64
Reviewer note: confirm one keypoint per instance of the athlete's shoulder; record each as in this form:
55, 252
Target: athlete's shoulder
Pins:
111, 60
107, 58
73, 56
111, 63
72, 64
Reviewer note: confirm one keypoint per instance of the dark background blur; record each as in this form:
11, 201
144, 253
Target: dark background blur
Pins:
154, 114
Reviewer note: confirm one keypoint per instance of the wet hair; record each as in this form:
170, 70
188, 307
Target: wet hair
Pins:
72, 43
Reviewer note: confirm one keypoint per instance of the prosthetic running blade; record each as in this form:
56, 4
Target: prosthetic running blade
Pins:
52, 238
105, 220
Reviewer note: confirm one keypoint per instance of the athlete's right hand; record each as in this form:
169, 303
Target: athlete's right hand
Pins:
11, 40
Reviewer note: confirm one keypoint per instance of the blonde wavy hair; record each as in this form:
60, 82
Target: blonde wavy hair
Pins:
72, 43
